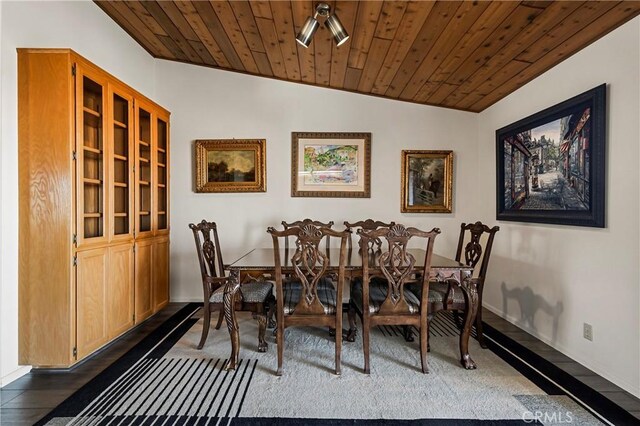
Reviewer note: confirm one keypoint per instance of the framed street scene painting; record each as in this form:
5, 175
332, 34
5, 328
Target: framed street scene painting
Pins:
230, 165
331, 165
551, 165
427, 180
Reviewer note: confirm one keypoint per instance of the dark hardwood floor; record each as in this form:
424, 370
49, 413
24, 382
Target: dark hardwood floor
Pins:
28, 399
574, 377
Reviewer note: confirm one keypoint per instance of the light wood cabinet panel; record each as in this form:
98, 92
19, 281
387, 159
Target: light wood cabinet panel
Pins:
93, 184
161, 273
144, 276
91, 290
45, 163
120, 293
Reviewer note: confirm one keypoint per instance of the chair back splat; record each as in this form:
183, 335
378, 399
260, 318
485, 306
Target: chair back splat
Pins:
473, 249
209, 254
367, 225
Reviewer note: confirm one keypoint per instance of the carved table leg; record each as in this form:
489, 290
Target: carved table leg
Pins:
230, 291
262, 327
470, 292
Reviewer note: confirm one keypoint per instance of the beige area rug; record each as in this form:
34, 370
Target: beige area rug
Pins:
395, 389
165, 380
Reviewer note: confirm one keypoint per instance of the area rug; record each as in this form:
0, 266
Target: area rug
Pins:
173, 383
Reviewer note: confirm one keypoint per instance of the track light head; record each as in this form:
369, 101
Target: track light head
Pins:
332, 22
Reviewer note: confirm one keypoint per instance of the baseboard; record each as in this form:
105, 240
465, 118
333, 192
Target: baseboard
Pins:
553, 379
594, 366
15, 375
186, 300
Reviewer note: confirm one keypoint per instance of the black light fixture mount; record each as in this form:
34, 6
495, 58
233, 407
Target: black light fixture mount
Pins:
331, 21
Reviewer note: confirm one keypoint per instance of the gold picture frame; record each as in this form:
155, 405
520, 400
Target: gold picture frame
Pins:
427, 181
231, 165
331, 165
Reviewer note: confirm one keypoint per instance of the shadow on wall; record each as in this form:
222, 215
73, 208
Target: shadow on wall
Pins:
530, 304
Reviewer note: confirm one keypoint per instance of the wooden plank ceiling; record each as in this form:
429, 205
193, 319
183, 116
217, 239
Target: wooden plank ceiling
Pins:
465, 55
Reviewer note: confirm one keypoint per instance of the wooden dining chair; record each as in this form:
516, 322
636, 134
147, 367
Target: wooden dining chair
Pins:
448, 295
381, 297
373, 246
303, 299
473, 252
256, 297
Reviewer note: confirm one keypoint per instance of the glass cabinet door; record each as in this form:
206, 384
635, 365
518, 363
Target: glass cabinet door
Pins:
122, 164
162, 190
90, 158
143, 170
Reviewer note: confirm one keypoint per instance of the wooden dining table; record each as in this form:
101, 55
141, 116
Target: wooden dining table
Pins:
259, 264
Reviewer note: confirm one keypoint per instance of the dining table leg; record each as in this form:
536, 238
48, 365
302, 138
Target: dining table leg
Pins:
229, 306
470, 291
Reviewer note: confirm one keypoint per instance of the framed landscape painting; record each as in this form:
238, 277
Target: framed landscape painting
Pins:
551, 165
230, 165
427, 180
331, 165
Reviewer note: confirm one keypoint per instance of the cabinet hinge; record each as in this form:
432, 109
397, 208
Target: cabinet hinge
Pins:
134, 317
75, 238
75, 260
74, 156
75, 353
73, 70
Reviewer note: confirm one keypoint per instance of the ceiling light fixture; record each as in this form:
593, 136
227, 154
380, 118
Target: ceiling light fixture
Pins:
332, 22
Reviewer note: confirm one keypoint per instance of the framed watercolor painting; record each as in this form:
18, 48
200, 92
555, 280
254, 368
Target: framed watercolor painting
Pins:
427, 180
331, 165
551, 165
230, 165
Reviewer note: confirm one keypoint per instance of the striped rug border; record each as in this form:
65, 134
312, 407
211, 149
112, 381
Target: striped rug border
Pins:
88, 393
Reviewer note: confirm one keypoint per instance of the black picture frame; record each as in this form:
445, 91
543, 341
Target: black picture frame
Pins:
556, 179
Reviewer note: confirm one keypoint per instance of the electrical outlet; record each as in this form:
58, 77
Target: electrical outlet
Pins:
588, 332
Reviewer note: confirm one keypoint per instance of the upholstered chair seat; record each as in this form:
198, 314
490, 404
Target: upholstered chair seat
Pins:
438, 293
256, 292
378, 292
326, 294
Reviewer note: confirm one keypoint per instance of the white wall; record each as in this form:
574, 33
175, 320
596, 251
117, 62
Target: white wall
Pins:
213, 104
83, 27
2, 310
574, 274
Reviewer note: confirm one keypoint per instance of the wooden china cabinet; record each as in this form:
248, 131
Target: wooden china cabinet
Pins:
93, 206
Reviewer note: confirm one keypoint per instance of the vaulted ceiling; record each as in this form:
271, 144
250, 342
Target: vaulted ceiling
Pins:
458, 54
